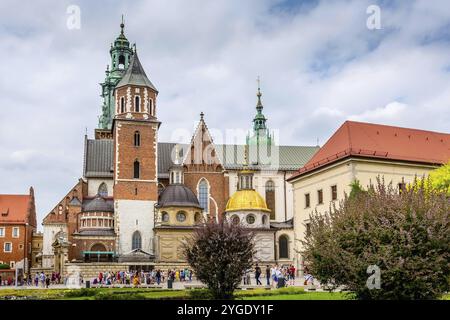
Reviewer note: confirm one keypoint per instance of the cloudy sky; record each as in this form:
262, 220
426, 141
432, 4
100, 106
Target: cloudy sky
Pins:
319, 65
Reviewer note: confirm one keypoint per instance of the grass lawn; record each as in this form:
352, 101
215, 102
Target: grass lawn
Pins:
152, 294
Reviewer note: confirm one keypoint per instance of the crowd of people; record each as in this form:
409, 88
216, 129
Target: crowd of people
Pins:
133, 277
276, 276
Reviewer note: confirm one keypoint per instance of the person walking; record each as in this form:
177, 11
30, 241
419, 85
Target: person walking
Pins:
257, 275
268, 275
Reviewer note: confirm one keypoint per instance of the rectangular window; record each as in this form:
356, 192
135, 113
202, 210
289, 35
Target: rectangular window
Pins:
15, 232
320, 196
333, 193
308, 229
2, 232
307, 200
7, 247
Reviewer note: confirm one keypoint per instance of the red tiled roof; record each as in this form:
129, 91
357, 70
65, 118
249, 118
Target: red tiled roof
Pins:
382, 142
14, 208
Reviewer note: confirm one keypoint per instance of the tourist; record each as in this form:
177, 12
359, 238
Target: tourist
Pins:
307, 276
158, 277
36, 279
42, 278
47, 281
292, 274
268, 275
257, 274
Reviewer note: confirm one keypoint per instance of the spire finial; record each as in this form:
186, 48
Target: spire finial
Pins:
259, 94
177, 154
201, 115
122, 25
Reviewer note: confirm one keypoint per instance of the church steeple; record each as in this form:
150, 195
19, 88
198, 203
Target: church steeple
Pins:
121, 53
260, 135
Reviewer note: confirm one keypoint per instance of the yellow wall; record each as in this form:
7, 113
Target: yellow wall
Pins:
341, 175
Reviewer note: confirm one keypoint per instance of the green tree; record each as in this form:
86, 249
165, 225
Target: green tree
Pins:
406, 235
219, 253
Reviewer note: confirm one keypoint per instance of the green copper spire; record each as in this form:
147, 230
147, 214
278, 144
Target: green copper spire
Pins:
260, 133
121, 53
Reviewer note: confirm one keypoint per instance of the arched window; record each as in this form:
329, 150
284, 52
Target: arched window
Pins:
137, 139
136, 169
121, 62
270, 198
137, 104
103, 189
122, 105
165, 216
283, 247
136, 241
203, 194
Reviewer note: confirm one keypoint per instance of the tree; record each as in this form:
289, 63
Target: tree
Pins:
406, 235
219, 253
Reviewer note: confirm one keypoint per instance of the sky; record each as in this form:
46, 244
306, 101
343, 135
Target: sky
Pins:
318, 62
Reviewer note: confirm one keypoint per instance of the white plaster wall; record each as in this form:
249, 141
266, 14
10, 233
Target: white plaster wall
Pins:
132, 215
341, 175
94, 183
264, 246
243, 216
49, 233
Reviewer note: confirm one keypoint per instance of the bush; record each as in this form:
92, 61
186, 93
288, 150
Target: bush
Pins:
219, 253
406, 235
83, 292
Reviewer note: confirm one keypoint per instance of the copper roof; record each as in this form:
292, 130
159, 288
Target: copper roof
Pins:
370, 140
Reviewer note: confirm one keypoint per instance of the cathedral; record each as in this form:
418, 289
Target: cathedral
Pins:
139, 198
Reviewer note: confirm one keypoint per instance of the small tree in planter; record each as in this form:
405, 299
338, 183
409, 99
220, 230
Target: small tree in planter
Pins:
219, 253
406, 235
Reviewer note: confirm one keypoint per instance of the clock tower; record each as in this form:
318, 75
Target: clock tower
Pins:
135, 134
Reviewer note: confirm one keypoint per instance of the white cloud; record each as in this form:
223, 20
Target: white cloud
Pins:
319, 66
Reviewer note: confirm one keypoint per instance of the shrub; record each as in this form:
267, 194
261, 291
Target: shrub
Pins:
219, 253
405, 234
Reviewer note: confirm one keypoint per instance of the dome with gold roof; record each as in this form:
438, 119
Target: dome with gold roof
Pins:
246, 200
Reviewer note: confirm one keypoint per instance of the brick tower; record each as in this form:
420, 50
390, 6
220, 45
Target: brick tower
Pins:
135, 133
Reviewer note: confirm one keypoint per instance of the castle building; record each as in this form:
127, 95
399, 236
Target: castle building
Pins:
138, 198
17, 225
363, 152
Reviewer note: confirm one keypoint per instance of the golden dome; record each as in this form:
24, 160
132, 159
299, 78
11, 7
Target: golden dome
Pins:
246, 200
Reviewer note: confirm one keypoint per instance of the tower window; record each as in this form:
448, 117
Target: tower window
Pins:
137, 139
103, 190
270, 198
136, 241
122, 105
150, 104
203, 194
137, 104
121, 62
136, 169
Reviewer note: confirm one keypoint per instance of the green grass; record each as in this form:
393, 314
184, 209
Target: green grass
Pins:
152, 294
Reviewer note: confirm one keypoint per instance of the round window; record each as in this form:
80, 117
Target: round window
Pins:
250, 219
165, 217
181, 216
235, 220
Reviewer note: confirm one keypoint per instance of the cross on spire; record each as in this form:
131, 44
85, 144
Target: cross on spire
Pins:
122, 25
